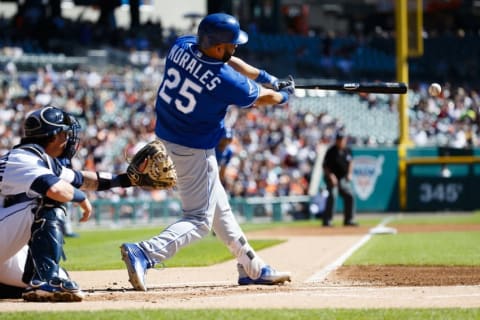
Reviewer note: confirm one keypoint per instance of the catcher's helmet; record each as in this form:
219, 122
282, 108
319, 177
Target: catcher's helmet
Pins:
45, 122
219, 28
49, 121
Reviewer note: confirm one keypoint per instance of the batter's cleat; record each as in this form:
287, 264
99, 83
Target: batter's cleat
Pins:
55, 290
137, 265
268, 276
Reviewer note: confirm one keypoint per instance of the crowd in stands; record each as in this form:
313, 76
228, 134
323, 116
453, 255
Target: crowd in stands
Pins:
274, 148
116, 111
319, 53
35, 31
452, 119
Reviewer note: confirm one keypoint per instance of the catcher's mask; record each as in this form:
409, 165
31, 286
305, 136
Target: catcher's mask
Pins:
49, 121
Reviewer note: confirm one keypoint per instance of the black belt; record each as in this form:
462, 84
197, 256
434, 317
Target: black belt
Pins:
13, 199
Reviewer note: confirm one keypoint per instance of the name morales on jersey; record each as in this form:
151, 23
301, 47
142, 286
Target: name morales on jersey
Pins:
188, 62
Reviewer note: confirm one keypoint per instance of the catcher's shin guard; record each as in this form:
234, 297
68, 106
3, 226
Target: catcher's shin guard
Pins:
46, 243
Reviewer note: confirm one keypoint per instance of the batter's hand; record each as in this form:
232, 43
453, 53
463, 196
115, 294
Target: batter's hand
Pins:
274, 83
87, 210
288, 85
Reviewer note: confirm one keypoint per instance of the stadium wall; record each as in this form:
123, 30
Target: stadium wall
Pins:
438, 179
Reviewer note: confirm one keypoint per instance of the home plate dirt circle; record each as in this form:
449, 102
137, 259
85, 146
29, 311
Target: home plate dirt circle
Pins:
306, 253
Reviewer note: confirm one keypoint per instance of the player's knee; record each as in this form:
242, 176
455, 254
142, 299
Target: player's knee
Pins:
202, 223
204, 228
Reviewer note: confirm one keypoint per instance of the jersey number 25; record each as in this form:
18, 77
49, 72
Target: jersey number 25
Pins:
187, 90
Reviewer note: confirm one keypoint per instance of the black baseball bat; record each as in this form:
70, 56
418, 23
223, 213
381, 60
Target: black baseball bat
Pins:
368, 87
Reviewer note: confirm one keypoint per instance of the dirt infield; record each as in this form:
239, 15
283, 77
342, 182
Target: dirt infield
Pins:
311, 254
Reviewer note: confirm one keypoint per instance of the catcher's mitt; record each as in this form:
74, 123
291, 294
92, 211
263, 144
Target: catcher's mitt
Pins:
152, 167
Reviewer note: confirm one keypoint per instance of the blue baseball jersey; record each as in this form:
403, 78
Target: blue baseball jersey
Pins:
194, 95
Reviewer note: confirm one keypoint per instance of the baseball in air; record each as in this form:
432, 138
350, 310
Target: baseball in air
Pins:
434, 89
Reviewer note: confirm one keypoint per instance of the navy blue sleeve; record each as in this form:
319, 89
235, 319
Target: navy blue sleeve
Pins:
78, 179
43, 183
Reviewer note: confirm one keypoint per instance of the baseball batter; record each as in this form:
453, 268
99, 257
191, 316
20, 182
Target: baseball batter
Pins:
34, 188
201, 80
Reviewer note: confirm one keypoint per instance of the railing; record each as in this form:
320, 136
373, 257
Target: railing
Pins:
276, 207
134, 210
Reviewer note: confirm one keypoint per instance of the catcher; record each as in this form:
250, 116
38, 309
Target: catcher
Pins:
34, 188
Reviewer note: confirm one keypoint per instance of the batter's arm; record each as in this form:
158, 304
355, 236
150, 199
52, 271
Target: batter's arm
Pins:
244, 68
269, 97
258, 75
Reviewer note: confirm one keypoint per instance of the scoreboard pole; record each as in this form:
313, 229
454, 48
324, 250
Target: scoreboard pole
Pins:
403, 29
401, 24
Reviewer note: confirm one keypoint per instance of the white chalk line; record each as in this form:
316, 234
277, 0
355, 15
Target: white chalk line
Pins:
322, 274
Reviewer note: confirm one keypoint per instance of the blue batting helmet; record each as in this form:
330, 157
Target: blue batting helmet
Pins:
219, 28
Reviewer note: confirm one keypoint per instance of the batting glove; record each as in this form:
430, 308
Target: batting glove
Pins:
287, 88
288, 85
265, 78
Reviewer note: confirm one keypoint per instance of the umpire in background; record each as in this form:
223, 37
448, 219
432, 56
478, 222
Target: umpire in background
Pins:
337, 168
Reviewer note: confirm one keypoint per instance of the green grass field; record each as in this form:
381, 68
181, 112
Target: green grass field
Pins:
99, 249
439, 218
443, 248
434, 249
244, 314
